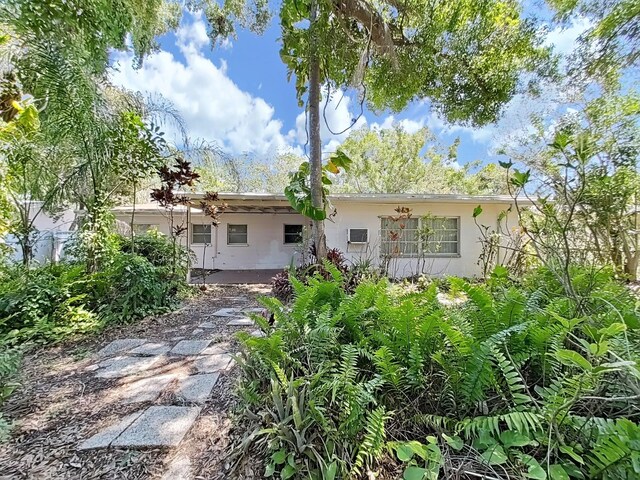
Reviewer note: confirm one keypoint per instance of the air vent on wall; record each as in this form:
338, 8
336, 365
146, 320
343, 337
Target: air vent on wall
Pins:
358, 236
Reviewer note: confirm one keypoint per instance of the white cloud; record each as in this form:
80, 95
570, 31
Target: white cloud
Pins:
409, 125
212, 105
564, 40
335, 118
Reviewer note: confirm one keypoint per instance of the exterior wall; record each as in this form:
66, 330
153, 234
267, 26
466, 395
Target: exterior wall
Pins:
49, 239
367, 215
265, 247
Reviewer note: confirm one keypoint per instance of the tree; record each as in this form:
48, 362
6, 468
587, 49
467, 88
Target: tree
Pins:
584, 188
395, 161
611, 44
224, 173
465, 57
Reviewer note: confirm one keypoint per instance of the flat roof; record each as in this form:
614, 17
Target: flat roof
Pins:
369, 197
373, 198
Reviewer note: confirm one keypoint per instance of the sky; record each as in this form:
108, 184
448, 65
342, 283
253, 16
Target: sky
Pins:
237, 95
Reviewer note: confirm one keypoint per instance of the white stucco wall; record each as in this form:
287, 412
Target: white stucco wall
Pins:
265, 247
367, 215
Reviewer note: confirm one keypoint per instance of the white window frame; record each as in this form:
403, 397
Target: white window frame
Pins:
420, 251
284, 233
238, 244
194, 233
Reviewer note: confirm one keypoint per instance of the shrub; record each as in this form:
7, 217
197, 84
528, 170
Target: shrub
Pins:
520, 381
132, 287
160, 251
55, 301
9, 363
281, 286
45, 303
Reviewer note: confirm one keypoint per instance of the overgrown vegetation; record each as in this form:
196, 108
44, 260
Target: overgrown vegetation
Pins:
55, 301
519, 381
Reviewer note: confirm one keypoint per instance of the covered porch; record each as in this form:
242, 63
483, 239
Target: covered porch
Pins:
233, 277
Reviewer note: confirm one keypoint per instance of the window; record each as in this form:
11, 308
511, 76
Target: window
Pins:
142, 228
200, 234
428, 236
292, 234
400, 237
440, 235
237, 235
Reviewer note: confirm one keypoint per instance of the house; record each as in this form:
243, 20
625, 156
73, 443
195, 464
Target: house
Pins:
262, 231
50, 233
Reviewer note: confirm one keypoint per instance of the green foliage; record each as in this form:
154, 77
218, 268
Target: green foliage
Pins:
514, 376
396, 161
298, 192
465, 57
611, 43
10, 358
52, 302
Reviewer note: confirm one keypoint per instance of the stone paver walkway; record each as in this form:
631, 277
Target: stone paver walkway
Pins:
141, 365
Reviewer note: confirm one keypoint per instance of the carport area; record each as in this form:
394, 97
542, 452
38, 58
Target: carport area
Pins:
233, 277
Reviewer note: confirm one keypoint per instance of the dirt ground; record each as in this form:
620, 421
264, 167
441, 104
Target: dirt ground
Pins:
60, 403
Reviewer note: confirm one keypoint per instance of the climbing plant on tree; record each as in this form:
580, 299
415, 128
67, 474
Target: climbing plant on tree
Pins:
465, 57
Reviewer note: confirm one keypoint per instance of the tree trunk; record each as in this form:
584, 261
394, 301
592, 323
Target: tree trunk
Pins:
319, 239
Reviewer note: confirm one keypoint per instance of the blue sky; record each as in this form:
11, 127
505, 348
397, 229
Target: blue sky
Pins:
238, 96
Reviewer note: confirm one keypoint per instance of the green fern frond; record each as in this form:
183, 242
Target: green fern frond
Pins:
373, 443
524, 422
515, 383
616, 452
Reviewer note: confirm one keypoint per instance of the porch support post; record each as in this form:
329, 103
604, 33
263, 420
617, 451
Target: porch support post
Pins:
189, 241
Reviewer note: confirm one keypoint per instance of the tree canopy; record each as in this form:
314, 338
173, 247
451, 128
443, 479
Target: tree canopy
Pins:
396, 161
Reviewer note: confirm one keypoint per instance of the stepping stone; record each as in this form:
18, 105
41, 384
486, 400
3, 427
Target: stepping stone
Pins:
175, 339
104, 437
241, 322
226, 312
158, 426
145, 390
207, 325
254, 310
197, 331
217, 349
197, 388
151, 349
124, 366
190, 347
258, 333
213, 363
121, 346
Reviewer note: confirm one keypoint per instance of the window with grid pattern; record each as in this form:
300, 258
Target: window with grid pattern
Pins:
237, 235
440, 235
200, 234
412, 237
399, 237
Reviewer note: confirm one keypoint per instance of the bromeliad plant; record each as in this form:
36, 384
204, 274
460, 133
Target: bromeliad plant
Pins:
518, 382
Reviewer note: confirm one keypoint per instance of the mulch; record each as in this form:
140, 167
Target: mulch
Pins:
60, 403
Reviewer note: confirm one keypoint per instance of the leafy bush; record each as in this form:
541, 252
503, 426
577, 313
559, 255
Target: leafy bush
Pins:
131, 287
520, 381
45, 303
55, 301
281, 286
9, 364
160, 251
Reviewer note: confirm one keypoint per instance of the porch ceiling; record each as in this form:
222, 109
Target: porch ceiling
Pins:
277, 209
